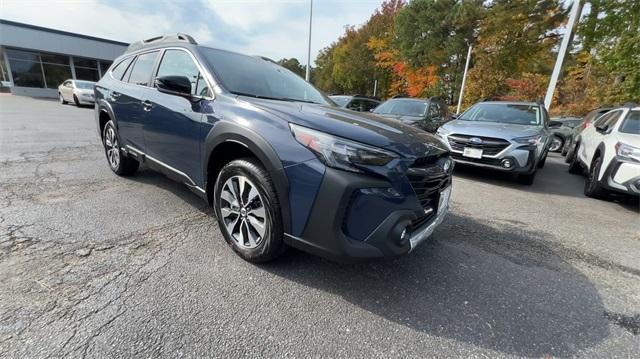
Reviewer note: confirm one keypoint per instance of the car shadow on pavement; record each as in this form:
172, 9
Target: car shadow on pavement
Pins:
504, 289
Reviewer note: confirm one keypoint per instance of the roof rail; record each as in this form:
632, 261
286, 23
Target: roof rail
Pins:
159, 39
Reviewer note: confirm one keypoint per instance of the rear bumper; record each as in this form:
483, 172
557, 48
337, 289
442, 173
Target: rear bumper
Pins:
326, 233
622, 176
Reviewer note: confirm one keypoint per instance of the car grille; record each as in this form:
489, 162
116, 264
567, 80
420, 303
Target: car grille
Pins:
427, 182
490, 146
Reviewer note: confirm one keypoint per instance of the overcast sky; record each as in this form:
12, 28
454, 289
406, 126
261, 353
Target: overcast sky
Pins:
273, 28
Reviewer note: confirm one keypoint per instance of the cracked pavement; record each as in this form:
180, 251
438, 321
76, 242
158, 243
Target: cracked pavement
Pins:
94, 265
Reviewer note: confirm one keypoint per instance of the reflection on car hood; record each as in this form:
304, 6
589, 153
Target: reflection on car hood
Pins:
357, 126
491, 129
405, 119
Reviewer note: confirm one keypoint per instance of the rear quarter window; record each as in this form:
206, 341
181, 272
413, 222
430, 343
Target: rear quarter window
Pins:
120, 68
631, 124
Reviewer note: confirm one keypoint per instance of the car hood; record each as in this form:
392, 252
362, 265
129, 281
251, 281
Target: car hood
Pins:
357, 126
490, 129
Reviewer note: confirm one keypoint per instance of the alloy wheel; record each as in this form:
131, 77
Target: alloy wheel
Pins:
555, 144
243, 212
111, 144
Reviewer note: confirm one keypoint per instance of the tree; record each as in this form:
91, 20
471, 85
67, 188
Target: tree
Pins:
348, 65
515, 37
436, 34
293, 65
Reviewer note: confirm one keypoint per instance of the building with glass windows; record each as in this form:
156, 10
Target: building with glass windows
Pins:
35, 60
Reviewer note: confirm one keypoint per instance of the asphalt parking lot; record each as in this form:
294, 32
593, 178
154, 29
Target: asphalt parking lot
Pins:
100, 266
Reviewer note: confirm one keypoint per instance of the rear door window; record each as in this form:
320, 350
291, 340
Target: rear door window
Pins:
142, 69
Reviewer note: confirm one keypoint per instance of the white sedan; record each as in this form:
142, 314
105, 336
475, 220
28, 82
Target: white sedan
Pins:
609, 151
76, 91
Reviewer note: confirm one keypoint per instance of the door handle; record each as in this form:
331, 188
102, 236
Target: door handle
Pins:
147, 105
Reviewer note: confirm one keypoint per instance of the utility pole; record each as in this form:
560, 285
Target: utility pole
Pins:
307, 75
576, 10
464, 80
375, 87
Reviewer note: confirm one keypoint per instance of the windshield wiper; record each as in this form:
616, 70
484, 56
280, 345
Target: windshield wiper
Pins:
271, 98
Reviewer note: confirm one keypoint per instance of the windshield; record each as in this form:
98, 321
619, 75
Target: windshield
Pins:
85, 85
415, 108
518, 114
631, 124
252, 76
340, 100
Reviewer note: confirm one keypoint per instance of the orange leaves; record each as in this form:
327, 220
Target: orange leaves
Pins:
406, 79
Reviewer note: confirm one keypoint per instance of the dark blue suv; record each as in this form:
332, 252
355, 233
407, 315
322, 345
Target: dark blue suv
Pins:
281, 164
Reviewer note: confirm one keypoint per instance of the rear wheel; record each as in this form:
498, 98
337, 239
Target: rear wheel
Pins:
592, 187
119, 164
556, 144
248, 211
574, 163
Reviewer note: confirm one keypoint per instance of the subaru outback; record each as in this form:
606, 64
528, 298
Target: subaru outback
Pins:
281, 164
508, 136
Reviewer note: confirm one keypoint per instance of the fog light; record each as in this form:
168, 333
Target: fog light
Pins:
506, 163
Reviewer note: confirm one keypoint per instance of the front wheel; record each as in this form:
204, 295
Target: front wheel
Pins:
62, 100
119, 164
592, 187
556, 144
527, 179
248, 211
75, 101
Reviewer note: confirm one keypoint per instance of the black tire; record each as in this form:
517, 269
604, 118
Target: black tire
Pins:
558, 146
62, 100
124, 166
565, 148
527, 179
75, 101
271, 244
575, 167
592, 187
543, 160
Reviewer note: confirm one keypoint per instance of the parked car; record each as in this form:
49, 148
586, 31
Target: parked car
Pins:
561, 131
569, 144
506, 136
279, 162
76, 91
358, 103
609, 151
425, 114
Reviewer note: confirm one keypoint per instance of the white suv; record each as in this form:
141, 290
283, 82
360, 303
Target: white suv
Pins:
610, 152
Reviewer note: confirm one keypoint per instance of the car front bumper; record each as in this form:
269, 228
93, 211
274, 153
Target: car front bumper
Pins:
395, 222
622, 176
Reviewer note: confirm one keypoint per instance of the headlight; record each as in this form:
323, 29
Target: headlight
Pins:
340, 153
627, 152
529, 140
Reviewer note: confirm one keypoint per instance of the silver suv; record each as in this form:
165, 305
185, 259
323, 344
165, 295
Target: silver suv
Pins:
506, 136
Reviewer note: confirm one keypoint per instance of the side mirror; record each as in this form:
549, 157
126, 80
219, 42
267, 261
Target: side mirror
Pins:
174, 85
555, 124
602, 128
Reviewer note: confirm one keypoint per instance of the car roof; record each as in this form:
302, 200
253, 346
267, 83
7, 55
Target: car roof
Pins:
512, 103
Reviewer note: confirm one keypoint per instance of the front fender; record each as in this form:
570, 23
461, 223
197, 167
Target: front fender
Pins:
224, 132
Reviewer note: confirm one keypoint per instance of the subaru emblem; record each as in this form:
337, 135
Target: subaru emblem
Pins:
475, 141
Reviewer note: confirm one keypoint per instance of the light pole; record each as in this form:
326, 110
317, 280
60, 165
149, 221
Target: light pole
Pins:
464, 80
307, 75
576, 9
